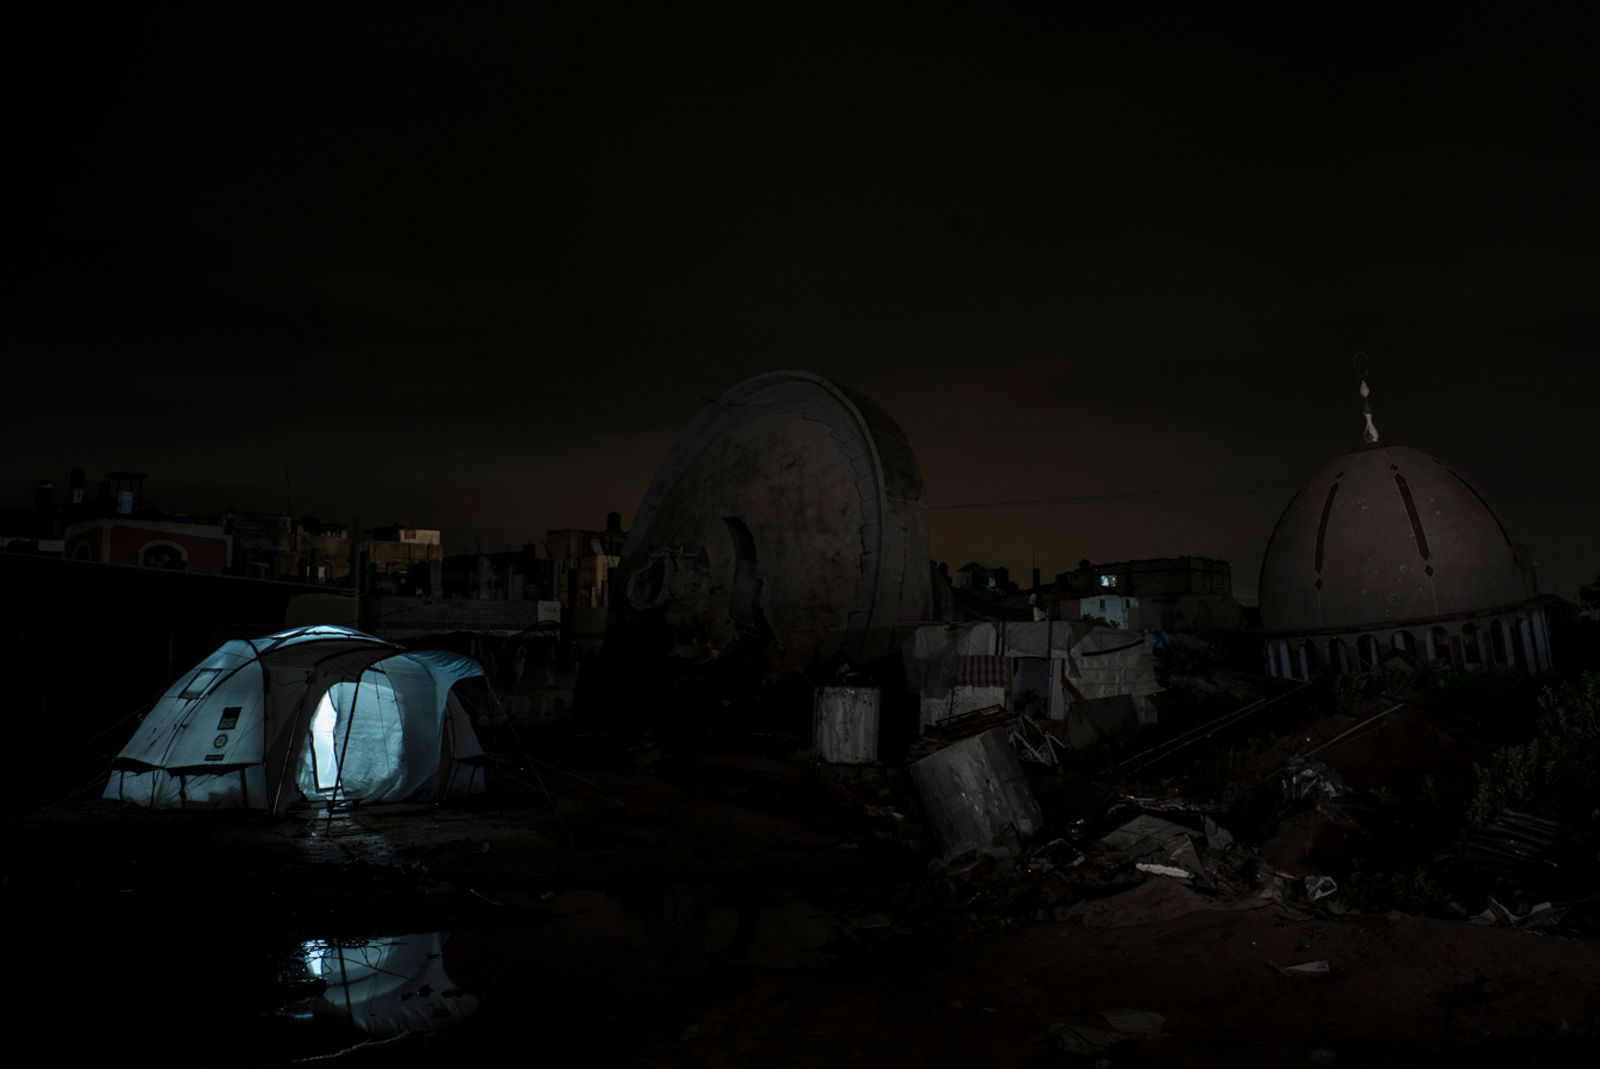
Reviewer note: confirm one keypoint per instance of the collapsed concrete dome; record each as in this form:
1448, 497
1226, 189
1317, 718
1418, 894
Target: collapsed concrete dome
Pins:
792, 508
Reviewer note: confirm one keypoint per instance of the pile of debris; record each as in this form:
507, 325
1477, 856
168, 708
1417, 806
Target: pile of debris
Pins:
1040, 741
1145, 868
1534, 869
1314, 842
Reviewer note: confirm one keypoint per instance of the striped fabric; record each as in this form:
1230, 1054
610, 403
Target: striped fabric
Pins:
988, 671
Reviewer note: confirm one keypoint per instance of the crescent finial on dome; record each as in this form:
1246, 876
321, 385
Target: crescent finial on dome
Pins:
1370, 433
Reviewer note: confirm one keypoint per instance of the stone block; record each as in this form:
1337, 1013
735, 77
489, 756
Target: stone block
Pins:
974, 790
845, 723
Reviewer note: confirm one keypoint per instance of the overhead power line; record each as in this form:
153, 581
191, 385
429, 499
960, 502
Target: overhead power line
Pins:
1135, 495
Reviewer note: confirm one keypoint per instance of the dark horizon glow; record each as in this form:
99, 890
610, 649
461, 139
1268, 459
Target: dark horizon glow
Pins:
479, 271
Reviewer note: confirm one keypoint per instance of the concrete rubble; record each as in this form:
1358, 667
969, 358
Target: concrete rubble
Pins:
1155, 846
1092, 1034
1313, 780
845, 725
974, 790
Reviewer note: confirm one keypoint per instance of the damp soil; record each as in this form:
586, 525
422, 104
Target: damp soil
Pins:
709, 909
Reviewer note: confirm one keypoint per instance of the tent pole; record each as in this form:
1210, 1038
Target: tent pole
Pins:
447, 750
344, 978
288, 753
499, 792
338, 756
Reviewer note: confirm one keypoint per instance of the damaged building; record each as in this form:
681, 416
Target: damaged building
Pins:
1165, 594
1096, 681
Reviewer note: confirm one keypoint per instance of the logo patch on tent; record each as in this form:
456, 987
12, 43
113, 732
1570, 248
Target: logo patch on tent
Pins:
220, 741
230, 718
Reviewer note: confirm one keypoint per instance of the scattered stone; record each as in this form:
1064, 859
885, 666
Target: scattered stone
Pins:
1135, 1022
1304, 970
1319, 887
1165, 870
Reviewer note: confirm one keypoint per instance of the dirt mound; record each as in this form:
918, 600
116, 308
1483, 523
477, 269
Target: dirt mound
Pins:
1315, 841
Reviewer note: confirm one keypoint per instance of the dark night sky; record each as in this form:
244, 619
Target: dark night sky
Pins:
479, 272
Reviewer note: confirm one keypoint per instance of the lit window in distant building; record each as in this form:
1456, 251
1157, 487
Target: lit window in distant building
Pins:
1108, 580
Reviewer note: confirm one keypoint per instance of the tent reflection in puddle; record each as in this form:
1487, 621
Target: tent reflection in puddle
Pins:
385, 987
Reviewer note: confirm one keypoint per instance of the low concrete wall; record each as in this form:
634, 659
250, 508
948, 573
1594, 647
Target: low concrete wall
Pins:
845, 725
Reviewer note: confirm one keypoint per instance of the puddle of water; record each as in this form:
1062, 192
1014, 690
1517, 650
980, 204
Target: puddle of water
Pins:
385, 987
589, 971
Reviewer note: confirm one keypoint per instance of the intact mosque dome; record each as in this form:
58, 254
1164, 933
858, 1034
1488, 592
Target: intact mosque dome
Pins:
1390, 549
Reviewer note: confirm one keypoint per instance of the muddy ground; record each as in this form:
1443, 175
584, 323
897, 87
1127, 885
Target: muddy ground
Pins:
740, 907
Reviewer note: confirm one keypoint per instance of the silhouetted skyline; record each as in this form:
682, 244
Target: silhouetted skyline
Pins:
479, 271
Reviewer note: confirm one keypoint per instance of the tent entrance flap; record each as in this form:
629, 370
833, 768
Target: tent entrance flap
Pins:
355, 750
325, 772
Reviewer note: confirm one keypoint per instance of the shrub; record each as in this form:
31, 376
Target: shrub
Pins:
1352, 687
1411, 890
1484, 696
1558, 770
1212, 774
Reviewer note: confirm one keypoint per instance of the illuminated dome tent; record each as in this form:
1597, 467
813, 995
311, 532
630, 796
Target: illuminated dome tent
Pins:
1389, 549
319, 715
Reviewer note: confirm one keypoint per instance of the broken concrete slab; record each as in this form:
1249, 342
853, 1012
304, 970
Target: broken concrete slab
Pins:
1087, 1035
845, 725
1152, 902
1305, 970
974, 790
1135, 1022
1542, 915
1151, 841
1164, 870
1144, 834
